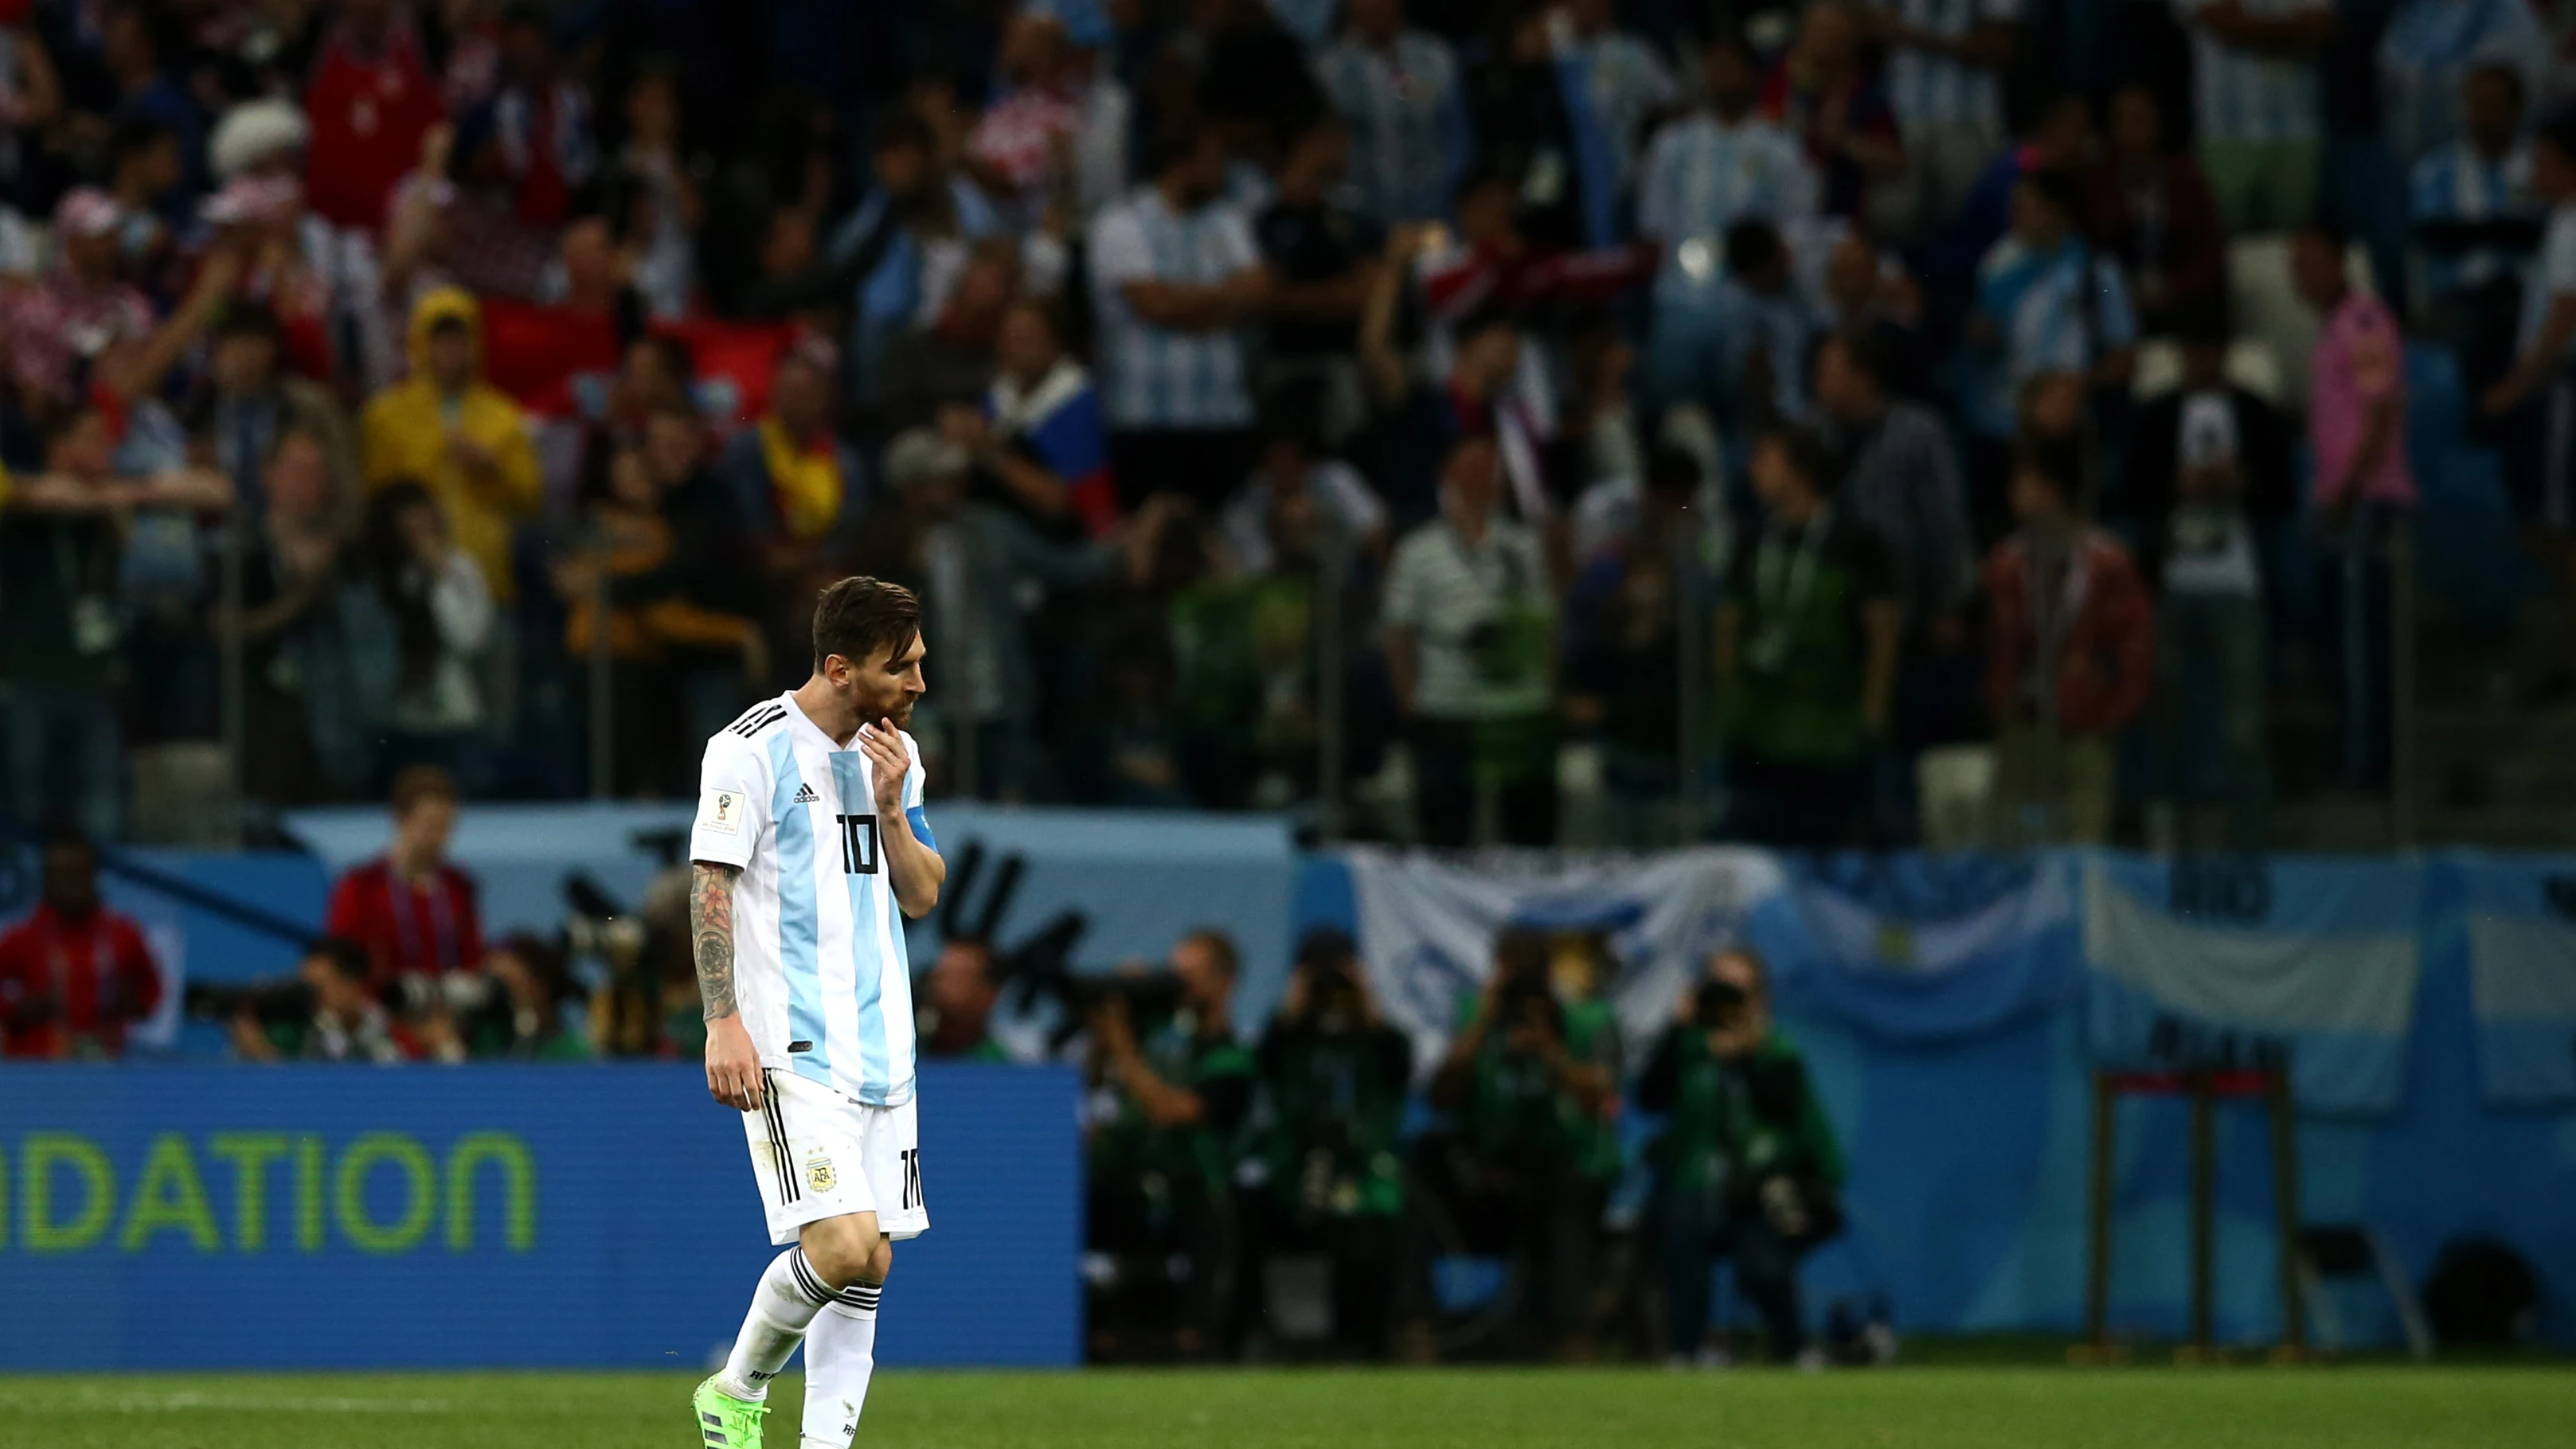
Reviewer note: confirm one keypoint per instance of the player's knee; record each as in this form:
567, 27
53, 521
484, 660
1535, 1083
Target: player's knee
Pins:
844, 1250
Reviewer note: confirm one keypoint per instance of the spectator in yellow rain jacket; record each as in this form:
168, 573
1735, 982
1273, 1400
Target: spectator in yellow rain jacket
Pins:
464, 439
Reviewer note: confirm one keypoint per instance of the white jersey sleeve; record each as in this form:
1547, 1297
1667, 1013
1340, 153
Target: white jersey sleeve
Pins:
733, 802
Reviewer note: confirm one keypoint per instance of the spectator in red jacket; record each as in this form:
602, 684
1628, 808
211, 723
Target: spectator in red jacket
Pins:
371, 99
2150, 205
414, 912
2070, 656
74, 976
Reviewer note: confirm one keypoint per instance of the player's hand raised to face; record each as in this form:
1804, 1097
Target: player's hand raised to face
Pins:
884, 745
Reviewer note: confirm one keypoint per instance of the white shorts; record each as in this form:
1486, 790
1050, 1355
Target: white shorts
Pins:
818, 1154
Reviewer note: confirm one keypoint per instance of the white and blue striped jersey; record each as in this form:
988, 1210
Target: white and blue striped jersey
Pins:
2038, 301
2456, 183
2549, 276
1703, 175
1407, 118
1155, 377
2429, 48
1927, 89
820, 971
2244, 95
1628, 81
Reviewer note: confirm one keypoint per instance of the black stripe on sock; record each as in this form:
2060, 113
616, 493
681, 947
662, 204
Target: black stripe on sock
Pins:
861, 1295
805, 1278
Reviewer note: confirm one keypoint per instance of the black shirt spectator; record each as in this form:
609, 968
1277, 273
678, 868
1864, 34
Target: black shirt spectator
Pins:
1325, 256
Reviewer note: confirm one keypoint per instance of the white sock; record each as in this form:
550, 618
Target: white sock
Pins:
840, 1356
789, 1296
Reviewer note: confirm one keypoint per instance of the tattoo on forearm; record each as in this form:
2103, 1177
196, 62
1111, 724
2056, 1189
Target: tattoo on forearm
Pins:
711, 929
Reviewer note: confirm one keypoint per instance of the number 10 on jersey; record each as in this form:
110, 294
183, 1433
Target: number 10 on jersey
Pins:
858, 844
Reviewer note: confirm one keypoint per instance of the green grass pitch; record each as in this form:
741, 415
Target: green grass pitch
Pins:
1904, 1408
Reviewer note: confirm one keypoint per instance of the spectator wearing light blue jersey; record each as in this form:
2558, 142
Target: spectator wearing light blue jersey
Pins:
1707, 171
2254, 85
1625, 76
2046, 302
2535, 402
2427, 54
1398, 90
1945, 65
2475, 222
1769, 326
1174, 277
1705, 174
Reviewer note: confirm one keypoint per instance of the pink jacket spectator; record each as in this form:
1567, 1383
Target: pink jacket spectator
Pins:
2360, 360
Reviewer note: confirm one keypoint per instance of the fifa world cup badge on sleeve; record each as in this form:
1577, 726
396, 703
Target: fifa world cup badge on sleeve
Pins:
722, 813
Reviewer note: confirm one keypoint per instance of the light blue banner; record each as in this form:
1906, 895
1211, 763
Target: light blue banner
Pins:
2239, 963
1923, 948
2518, 925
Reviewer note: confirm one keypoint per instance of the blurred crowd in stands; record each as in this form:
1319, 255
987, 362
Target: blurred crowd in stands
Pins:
1370, 397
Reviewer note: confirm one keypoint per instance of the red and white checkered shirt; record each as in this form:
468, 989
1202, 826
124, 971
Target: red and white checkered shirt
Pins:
47, 329
1016, 138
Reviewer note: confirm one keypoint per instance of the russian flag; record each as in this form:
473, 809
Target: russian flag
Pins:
1059, 424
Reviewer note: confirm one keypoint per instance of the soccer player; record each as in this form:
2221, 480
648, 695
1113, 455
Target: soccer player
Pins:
809, 838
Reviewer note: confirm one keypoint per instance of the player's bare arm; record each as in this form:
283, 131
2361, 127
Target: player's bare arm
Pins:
916, 869
733, 1066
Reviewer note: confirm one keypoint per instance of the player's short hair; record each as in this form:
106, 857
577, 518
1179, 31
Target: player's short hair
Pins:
1220, 948
416, 783
859, 617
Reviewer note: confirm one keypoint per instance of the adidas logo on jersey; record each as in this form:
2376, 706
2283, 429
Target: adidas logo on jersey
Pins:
805, 794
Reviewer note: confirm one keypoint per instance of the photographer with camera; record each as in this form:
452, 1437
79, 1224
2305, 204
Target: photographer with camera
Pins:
327, 1013
513, 1011
957, 998
1333, 1078
1746, 1168
74, 976
1170, 1089
1530, 1085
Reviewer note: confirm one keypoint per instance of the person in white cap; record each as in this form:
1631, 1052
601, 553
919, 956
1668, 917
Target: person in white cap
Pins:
334, 297
79, 307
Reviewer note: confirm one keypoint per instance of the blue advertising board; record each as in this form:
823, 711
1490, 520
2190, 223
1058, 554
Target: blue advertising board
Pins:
351, 1217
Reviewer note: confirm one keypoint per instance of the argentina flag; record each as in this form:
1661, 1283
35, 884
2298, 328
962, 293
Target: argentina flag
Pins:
2241, 963
2521, 935
1427, 923
1922, 948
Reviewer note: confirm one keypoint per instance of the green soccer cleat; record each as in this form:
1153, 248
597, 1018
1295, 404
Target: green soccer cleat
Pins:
725, 1422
